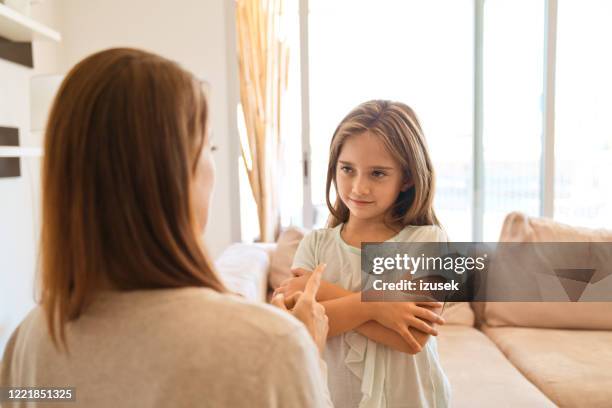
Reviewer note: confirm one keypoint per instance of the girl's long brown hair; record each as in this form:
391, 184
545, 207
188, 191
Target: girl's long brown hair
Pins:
122, 142
398, 128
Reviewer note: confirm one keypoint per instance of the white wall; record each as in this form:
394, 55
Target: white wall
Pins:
47, 53
196, 33
18, 210
20, 197
192, 32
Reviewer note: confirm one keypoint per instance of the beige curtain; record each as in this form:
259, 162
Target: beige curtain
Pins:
263, 57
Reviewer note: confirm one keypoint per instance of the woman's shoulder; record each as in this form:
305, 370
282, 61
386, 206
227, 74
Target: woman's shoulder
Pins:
202, 309
179, 316
248, 340
186, 318
31, 327
31, 333
199, 311
423, 233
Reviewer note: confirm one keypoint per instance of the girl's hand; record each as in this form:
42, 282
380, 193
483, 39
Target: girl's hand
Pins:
305, 308
398, 316
294, 285
299, 271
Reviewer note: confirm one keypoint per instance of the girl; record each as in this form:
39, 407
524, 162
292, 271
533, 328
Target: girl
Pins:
379, 354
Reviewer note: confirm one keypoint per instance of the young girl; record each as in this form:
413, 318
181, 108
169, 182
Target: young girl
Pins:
379, 354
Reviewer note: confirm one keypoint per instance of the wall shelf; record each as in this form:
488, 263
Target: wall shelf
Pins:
12, 151
17, 27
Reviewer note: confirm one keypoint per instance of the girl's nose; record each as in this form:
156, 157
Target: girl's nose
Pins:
361, 187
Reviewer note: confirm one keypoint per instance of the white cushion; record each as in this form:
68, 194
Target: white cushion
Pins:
243, 268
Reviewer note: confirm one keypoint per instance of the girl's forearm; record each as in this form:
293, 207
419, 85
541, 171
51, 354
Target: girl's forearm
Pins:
350, 313
346, 313
370, 329
383, 335
329, 291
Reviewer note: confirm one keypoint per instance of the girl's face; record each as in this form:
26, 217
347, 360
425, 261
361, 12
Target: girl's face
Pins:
202, 184
368, 178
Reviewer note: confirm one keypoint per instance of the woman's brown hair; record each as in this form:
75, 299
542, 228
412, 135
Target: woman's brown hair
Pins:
123, 139
398, 128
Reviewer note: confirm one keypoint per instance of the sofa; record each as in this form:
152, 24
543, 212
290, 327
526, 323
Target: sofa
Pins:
502, 354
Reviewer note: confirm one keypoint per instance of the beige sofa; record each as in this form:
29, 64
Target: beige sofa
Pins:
532, 354
513, 366
495, 354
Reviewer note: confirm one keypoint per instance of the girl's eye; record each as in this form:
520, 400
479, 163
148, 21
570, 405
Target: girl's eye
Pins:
378, 174
346, 169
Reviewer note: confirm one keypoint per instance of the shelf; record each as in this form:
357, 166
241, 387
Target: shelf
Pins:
13, 151
17, 27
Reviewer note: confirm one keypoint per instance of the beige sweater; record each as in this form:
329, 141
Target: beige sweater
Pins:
187, 347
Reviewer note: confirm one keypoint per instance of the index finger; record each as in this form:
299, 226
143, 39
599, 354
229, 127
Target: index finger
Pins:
312, 286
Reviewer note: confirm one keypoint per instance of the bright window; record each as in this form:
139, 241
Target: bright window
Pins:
512, 109
583, 130
416, 52
423, 53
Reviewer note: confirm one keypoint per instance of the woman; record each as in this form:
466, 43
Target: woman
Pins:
131, 312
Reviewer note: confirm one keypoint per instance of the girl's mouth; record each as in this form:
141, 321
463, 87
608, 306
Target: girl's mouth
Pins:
360, 202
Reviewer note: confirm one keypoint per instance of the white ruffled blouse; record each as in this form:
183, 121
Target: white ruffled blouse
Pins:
361, 372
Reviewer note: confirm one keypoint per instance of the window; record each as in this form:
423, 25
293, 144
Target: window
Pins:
583, 131
487, 80
410, 51
512, 109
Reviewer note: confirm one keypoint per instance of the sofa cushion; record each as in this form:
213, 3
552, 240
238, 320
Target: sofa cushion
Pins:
458, 313
518, 227
282, 257
572, 367
243, 268
480, 375
553, 315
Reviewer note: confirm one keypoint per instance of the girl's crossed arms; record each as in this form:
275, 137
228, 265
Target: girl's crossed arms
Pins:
402, 326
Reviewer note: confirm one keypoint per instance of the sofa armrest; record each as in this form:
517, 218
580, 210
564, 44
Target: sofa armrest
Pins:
244, 267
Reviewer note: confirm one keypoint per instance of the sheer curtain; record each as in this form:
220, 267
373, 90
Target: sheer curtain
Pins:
263, 55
